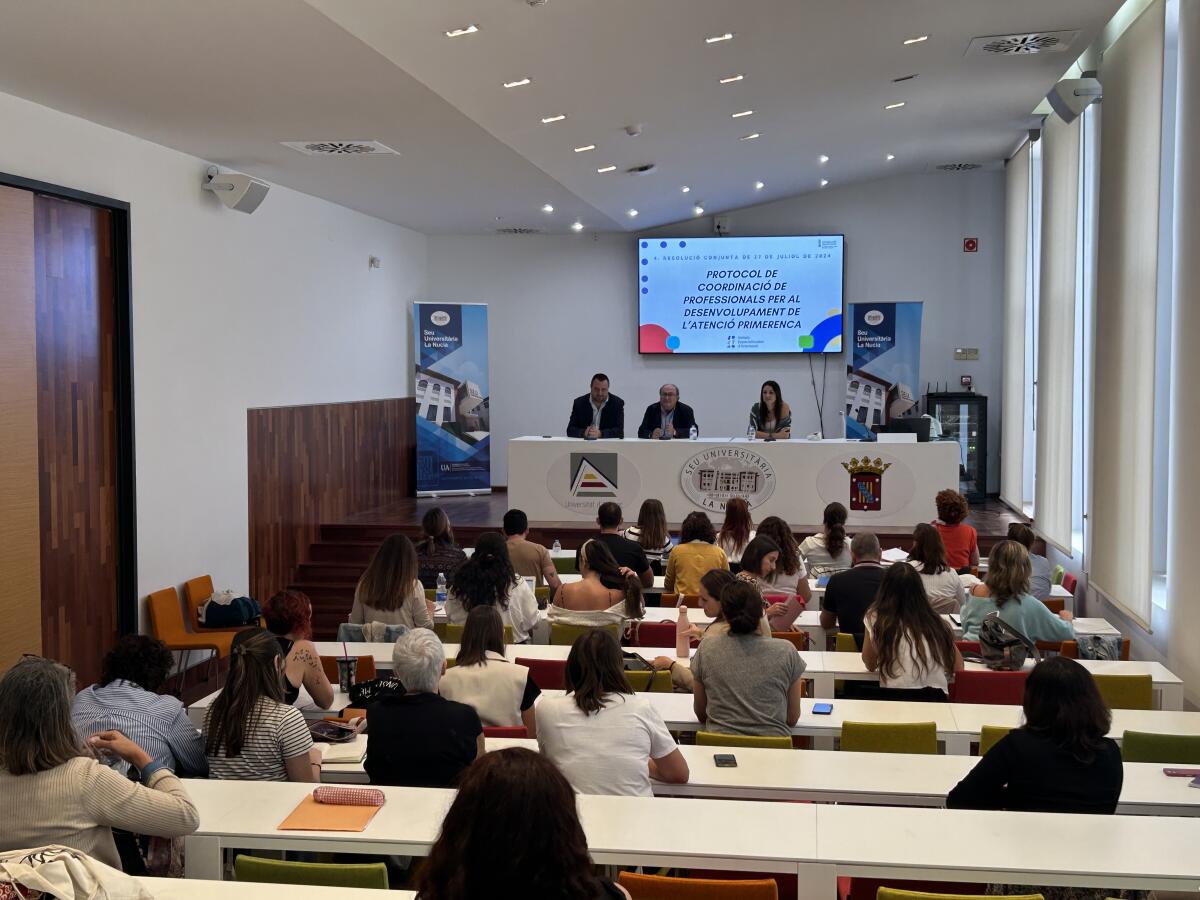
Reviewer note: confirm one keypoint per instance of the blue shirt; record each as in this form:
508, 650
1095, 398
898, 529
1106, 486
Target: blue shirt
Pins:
1026, 613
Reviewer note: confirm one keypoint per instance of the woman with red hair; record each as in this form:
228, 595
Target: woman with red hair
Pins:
288, 615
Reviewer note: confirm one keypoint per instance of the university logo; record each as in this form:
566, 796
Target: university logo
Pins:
593, 475
715, 476
866, 482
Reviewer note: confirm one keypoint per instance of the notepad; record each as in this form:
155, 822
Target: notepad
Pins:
352, 752
895, 555
310, 815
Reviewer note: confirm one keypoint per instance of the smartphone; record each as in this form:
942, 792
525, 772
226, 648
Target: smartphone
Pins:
333, 732
822, 709
725, 760
1182, 773
823, 581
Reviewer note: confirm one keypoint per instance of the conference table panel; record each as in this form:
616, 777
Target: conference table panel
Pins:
883, 484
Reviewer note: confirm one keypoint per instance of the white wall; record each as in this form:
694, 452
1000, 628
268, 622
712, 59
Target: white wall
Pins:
563, 307
229, 312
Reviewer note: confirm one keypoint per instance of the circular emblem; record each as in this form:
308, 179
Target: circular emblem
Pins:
439, 317
714, 476
873, 317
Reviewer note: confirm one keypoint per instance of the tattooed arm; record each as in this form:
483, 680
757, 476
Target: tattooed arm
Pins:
304, 655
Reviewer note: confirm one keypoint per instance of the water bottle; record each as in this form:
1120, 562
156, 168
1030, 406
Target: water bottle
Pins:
440, 593
750, 432
693, 433
557, 547
683, 641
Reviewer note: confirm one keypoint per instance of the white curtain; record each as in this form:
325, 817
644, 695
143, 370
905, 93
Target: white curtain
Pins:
1016, 262
1121, 515
1056, 331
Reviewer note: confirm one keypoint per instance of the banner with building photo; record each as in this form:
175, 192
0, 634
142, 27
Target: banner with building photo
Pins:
451, 386
883, 374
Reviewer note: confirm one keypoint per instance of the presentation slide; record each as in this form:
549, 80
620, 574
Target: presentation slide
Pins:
740, 294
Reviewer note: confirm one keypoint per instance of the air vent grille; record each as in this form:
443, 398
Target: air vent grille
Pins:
518, 231
1026, 44
341, 148
959, 167
641, 170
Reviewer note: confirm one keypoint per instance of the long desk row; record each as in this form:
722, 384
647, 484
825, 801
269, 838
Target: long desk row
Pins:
203, 889
818, 843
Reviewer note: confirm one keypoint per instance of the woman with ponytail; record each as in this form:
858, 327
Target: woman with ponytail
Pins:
590, 601
488, 579
829, 551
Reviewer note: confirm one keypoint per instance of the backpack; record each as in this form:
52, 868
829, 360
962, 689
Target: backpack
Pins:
1002, 647
223, 610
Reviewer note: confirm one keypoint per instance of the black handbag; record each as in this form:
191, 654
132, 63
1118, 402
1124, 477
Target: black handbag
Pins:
1002, 647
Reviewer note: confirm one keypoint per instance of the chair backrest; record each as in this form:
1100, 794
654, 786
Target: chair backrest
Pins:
1055, 604
660, 887
654, 634
887, 893
844, 643
505, 731
1059, 574
565, 565
1004, 688
166, 615
542, 593
889, 737
278, 871
642, 682
1069, 583
452, 634
1177, 749
691, 601
547, 674
195, 592
1126, 691
430, 595
562, 633
1070, 649
366, 669
799, 638
713, 739
989, 736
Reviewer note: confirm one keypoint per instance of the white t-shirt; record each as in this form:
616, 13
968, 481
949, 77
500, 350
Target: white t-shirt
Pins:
732, 553
909, 675
521, 612
818, 559
607, 752
945, 590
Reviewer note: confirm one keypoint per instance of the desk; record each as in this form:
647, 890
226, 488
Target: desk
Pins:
197, 889
794, 479
809, 622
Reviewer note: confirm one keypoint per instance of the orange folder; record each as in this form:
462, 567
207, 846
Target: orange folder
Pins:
310, 815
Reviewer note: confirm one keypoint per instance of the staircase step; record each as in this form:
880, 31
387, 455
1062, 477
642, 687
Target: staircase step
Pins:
330, 573
342, 552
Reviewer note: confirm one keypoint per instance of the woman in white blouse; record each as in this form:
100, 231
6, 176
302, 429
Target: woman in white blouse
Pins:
737, 530
829, 551
488, 579
942, 584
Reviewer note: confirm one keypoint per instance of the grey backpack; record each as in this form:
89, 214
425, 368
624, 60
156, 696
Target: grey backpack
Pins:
1002, 647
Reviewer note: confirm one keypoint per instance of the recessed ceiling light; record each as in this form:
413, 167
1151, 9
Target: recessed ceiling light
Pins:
585, 148
824, 182
730, 79
577, 226
750, 137
631, 213
917, 40
698, 210
717, 38
604, 169
891, 156
459, 32
685, 189
889, 106
822, 159
548, 119
744, 112
521, 83
758, 185
547, 208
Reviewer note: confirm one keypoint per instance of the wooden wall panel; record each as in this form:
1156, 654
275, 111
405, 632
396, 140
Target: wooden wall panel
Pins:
315, 464
76, 431
20, 581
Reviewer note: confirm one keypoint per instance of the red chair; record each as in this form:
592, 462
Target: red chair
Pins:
505, 731
1069, 583
547, 674
653, 634
1001, 688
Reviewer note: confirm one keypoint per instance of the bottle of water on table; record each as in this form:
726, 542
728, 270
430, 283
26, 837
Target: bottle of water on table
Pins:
557, 547
440, 593
693, 433
750, 432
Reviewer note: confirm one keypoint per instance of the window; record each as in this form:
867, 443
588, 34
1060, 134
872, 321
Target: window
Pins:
1033, 274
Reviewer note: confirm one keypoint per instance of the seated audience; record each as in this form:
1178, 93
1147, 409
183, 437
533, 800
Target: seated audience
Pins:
1041, 572
1005, 591
628, 554
590, 601
606, 738
54, 790
790, 575
786, 598
390, 590
288, 615
488, 579
737, 530
250, 733
437, 554
850, 594
529, 560
829, 551
906, 642
651, 532
745, 683
513, 830
943, 587
418, 738
694, 556
501, 692
959, 538
126, 699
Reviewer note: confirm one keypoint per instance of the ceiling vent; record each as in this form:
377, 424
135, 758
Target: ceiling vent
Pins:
1028, 44
341, 148
518, 231
641, 170
959, 167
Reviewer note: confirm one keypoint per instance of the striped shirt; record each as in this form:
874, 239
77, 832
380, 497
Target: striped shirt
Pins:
274, 734
156, 723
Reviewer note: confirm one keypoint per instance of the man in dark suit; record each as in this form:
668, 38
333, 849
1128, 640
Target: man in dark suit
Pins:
668, 417
598, 414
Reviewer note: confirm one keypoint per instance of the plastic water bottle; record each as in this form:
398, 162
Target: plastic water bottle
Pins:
440, 593
750, 432
683, 641
693, 433
557, 547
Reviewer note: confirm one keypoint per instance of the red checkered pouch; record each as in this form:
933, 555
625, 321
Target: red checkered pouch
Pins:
345, 796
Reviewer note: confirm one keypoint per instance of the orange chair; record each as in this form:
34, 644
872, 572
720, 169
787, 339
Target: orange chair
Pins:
1055, 604
505, 731
166, 622
366, 668
195, 592
350, 712
659, 887
1070, 649
799, 638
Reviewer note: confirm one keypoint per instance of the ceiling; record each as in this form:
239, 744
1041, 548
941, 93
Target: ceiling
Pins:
229, 80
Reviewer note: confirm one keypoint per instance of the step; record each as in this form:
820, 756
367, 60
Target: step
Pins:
342, 552
330, 573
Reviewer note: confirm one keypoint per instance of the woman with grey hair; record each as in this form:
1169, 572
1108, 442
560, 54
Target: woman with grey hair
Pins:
419, 738
54, 788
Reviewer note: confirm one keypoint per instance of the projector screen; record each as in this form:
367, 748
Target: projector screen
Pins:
740, 294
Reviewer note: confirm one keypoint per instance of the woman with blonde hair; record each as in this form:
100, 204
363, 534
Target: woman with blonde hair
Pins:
1006, 592
389, 591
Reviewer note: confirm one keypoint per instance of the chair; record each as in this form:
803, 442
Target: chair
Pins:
889, 737
887, 893
1070, 649
1003, 688
659, 887
691, 601
565, 566
547, 674
1059, 574
195, 592
643, 683
845, 643
166, 623
799, 638
772, 741
1177, 749
278, 871
563, 634
452, 634
654, 634
350, 712
1069, 583
542, 593
505, 731
989, 735
965, 647
1055, 604
366, 668
1126, 691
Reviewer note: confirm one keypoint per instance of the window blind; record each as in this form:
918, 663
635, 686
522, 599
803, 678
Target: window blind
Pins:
1016, 262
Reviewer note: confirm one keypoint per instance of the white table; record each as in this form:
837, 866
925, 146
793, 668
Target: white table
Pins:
809, 622
795, 478
199, 889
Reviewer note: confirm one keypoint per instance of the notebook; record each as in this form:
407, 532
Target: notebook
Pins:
309, 815
352, 752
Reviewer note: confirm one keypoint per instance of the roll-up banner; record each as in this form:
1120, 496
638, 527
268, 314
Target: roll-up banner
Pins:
883, 374
451, 385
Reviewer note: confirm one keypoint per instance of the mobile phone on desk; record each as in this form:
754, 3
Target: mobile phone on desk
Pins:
822, 709
1182, 773
725, 760
1195, 782
823, 581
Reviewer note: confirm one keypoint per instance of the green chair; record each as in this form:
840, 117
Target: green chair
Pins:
642, 682
1175, 749
844, 643
887, 893
542, 593
771, 741
889, 737
452, 634
563, 634
439, 628
565, 566
989, 735
276, 871
430, 594
1059, 574
1126, 691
